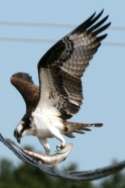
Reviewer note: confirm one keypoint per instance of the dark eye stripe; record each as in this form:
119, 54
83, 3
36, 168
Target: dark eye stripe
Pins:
26, 124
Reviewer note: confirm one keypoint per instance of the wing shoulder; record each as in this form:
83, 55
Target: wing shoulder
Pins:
24, 84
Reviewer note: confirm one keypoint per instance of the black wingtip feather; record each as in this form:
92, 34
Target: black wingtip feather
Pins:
97, 16
85, 24
93, 20
98, 24
101, 29
102, 37
90, 24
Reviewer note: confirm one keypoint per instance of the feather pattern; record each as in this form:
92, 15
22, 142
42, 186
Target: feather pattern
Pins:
24, 84
62, 67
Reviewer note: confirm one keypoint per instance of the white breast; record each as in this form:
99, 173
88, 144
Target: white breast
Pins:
46, 116
44, 119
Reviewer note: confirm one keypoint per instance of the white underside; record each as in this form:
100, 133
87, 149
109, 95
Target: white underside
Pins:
46, 122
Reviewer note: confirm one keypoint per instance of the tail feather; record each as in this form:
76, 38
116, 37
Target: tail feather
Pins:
81, 128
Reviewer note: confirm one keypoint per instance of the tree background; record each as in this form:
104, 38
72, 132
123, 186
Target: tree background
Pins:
25, 176
20, 49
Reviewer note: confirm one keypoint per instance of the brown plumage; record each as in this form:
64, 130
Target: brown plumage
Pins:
59, 95
30, 93
65, 63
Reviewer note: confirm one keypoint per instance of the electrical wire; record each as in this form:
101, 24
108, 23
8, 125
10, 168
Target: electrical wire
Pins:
45, 40
49, 24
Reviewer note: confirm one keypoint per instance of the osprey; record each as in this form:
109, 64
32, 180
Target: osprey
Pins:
59, 95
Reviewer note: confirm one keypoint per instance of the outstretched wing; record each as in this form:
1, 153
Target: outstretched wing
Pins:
61, 68
29, 91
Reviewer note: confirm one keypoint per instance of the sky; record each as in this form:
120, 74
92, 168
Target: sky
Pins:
103, 82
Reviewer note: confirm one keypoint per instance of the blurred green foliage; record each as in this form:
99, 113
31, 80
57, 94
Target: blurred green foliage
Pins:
24, 176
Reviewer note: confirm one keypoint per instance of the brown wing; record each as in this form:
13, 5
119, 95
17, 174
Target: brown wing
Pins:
61, 68
29, 91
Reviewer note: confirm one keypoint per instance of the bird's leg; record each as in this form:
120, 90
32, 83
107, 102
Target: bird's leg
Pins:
59, 136
45, 144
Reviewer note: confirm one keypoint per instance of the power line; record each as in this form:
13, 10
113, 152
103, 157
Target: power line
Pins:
35, 24
26, 40
118, 28
45, 40
50, 24
115, 44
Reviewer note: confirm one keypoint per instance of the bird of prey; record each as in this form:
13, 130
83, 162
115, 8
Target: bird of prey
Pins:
30, 92
59, 95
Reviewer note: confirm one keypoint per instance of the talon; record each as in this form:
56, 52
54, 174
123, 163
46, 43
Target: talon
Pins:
60, 147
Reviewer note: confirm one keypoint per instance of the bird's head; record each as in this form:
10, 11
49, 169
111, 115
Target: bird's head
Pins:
23, 128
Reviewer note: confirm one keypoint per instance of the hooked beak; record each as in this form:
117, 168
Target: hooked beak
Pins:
17, 135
